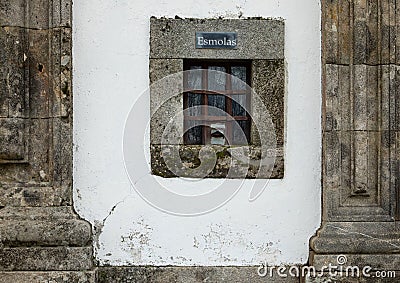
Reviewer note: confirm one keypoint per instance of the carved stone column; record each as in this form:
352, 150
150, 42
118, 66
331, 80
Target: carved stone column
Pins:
361, 134
39, 231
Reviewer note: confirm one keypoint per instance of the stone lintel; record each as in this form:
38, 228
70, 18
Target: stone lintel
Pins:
257, 38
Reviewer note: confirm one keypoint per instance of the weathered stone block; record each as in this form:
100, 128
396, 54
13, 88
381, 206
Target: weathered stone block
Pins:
357, 238
62, 142
268, 82
35, 196
12, 139
394, 98
243, 274
47, 277
44, 213
337, 278
331, 24
60, 86
360, 33
45, 233
372, 20
160, 68
342, 24
36, 14
46, 259
13, 72
183, 161
386, 262
258, 38
12, 13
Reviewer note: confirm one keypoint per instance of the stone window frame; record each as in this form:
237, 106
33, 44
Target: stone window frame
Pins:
260, 41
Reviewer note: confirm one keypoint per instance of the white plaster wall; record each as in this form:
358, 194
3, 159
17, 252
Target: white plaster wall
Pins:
111, 47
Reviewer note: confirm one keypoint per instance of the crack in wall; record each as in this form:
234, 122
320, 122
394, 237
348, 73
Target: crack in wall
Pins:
99, 225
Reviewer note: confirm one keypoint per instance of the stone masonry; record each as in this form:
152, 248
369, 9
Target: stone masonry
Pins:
267, 88
361, 138
41, 238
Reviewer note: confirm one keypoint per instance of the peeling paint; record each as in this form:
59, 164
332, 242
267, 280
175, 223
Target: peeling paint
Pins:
195, 242
138, 239
127, 230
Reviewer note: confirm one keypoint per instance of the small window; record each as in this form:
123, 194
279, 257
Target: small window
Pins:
215, 105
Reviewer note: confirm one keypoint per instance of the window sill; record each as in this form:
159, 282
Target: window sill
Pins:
188, 158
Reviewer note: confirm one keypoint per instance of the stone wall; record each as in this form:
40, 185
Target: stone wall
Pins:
360, 135
41, 238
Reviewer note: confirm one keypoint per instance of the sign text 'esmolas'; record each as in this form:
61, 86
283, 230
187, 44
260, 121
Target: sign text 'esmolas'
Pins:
224, 40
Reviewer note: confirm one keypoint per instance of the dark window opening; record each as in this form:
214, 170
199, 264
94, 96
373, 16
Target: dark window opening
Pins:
215, 96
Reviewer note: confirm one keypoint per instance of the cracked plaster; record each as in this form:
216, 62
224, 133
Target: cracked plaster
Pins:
111, 70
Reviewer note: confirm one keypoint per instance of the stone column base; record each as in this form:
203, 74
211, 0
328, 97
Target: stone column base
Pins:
43, 239
350, 246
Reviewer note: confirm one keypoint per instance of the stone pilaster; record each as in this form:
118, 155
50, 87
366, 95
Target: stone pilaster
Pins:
39, 231
361, 134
